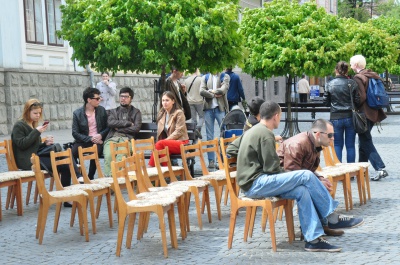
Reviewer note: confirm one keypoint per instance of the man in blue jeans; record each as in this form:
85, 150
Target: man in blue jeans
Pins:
259, 175
215, 105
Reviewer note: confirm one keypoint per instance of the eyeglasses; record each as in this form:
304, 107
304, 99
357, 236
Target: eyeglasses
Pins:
330, 135
37, 104
122, 96
99, 98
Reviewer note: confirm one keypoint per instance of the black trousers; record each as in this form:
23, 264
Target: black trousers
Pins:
303, 97
45, 164
92, 166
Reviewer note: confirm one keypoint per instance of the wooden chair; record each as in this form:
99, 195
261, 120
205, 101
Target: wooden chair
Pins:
362, 174
196, 186
268, 205
216, 179
121, 148
27, 176
91, 154
78, 197
93, 190
147, 147
137, 163
134, 205
228, 141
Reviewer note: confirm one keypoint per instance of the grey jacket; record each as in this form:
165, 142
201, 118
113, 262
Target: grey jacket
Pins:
80, 127
222, 88
124, 121
108, 94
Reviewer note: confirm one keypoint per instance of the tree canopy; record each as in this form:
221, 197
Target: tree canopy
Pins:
151, 35
288, 38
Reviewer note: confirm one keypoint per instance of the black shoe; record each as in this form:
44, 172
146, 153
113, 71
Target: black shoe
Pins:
321, 246
332, 232
346, 222
67, 204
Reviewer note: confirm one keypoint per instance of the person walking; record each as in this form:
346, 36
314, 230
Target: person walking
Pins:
303, 89
235, 91
367, 150
196, 101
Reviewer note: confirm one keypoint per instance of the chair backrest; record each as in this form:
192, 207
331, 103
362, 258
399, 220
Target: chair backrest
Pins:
137, 163
229, 166
7, 149
119, 170
142, 145
162, 156
212, 146
191, 130
192, 151
330, 156
62, 158
89, 154
121, 148
39, 176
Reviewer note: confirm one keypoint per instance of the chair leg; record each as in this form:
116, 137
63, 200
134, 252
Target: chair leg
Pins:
92, 212
172, 227
289, 220
252, 221
187, 221
249, 212
73, 212
366, 177
44, 213
160, 214
195, 193
217, 197
39, 219
131, 226
35, 197
272, 230
360, 180
99, 199
9, 196
110, 217
57, 217
1, 211
232, 223
83, 211
18, 196
349, 192
181, 216
121, 227
206, 198
264, 218
346, 199
28, 192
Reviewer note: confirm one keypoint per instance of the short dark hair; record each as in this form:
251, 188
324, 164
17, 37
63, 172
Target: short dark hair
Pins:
268, 109
254, 105
127, 90
89, 92
105, 72
320, 125
303, 76
342, 68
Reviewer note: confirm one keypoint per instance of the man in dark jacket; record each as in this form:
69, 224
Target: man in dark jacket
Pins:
367, 150
89, 125
235, 91
179, 89
124, 122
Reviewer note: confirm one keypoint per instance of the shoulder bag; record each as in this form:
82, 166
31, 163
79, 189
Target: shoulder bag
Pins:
359, 118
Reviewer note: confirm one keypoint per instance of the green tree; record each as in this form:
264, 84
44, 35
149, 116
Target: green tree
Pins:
151, 35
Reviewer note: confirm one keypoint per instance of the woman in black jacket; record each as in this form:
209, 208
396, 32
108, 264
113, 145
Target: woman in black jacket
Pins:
89, 126
337, 96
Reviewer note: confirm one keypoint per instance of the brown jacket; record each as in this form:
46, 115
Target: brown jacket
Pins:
362, 79
176, 126
299, 152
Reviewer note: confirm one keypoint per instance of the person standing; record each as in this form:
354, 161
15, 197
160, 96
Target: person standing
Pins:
179, 90
195, 100
108, 90
303, 89
89, 126
337, 97
235, 91
215, 105
367, 150
124, 122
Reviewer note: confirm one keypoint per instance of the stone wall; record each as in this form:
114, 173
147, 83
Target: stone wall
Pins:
61, 93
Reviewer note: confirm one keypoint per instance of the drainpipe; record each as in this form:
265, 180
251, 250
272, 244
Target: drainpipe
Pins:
91, 74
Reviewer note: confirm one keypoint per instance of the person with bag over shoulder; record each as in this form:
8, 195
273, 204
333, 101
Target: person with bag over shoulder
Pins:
367, 150
26, 140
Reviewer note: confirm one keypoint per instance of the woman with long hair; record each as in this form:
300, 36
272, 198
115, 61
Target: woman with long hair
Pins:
171, 126
26, 139
337, 97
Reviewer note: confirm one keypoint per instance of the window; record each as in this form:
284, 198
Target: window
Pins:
276, 87
33, 21
332, 6
53, 16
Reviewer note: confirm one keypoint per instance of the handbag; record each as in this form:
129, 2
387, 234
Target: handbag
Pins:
359, 118
45, 150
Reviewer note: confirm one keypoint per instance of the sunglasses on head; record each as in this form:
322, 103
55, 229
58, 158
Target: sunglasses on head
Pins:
37, 104
330, 135
99, 98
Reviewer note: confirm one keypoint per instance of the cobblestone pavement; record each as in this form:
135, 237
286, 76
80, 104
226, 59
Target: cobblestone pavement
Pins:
375, 242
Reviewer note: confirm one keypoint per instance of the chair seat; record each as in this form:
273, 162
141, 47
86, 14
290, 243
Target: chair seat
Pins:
159, 194
7, 176
152, 202
176, 187
338, 170
222, 172
111, 181
190, 183
67, 193
273, 199
216, 177
360, 164
93, 187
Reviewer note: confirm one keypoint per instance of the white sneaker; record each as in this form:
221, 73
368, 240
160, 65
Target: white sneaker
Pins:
81, 180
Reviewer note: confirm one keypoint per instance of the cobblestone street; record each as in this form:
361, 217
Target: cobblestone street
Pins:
375, 242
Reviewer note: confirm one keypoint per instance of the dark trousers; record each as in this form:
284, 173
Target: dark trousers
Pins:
45, 164
92, 166
367, 150
231, 104
303, 97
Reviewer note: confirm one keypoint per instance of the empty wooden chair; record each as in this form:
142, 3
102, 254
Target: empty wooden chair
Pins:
134, 205
78, 197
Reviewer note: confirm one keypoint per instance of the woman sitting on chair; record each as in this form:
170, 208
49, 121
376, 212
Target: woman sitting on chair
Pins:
26, 140
171, 129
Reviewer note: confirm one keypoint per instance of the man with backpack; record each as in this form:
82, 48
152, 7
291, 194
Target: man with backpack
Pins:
373, 112
195, 100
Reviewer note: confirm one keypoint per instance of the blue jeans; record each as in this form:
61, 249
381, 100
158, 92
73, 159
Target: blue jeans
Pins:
210, 115
313, 200
345, 134
367, 150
